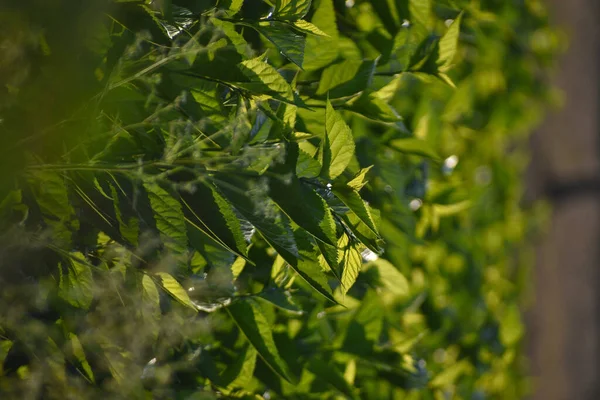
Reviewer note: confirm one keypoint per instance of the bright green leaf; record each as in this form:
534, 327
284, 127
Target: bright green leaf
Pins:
448, 45
175, 289
337, 146
291, 9
359, 179
310, 28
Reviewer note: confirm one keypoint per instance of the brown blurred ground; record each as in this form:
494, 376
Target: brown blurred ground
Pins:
564, 324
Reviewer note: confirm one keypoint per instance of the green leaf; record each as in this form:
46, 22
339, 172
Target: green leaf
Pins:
237, 267
322, 51
311, 212
346, 78
351, 262
308, 166
450, 374
332, 376
370, 105
79, 354
240, 372
208, 211
353, 201
50, 192
232, 6
307, 265
390, 278
421, 18
414, 146
291, 9
362, 231
250, 200
77, 287
175, 289
448, 45
338, 145
248, 316
169, 218
129, 225
149, 290
289, 42
281, 299
308, 27
236, 39
266, 80
358, 182
330, 255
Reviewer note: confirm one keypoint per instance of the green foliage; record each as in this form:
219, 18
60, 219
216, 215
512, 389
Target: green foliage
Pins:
266, 199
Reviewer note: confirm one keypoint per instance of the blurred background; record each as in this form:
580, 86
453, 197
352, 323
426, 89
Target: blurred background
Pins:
564, 324
563, 319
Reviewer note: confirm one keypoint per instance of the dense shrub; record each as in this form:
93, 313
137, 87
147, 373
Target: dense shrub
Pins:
267, 199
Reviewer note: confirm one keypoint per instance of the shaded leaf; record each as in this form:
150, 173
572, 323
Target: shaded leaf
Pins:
391, 278
281, 299
289, 42
332, 376
77, 287
353, 201
240, 372
248, 316
414, 146
322, 51
169, 218
346, 78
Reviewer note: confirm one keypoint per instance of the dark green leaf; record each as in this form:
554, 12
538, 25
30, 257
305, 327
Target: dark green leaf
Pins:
169, 218
346, 78
288, 41
353, 201
247, 314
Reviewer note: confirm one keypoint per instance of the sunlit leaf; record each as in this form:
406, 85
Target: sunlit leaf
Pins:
448, 45
175, 289
337, 146
291, 9
351, 262
240, 372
